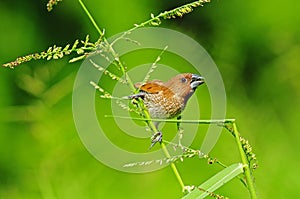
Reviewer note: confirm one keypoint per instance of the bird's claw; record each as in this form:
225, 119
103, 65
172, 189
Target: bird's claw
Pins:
157, 137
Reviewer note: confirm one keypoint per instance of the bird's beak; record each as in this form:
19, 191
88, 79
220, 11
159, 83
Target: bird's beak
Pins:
196, 81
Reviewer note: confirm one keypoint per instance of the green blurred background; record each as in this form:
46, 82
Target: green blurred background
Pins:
255, 44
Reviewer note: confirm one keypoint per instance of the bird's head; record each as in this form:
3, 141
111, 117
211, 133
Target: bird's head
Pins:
184, 85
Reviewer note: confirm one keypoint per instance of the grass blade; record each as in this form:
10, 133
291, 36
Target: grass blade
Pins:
216, 181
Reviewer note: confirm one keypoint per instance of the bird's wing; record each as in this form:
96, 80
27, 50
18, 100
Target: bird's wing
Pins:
153, 87
140, 84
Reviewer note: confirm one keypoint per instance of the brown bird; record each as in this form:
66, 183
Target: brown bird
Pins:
165, 100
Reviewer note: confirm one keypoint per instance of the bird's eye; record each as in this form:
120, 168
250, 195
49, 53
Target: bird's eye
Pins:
183, 80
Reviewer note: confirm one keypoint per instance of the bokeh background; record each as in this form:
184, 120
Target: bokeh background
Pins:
255, 44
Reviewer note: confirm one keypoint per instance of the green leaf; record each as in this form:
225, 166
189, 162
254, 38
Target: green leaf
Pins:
216, 181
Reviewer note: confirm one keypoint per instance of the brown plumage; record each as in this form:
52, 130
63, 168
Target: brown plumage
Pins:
165, 100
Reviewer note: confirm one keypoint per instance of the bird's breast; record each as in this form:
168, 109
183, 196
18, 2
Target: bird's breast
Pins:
161, 106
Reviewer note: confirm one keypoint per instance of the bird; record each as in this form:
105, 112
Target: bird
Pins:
167, 100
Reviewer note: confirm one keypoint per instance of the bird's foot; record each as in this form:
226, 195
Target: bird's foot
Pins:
157, 137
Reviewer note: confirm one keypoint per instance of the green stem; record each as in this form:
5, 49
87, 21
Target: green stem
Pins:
221, 121
131, 85
173, 166
165, 150
247, 171
101, 33
90, 17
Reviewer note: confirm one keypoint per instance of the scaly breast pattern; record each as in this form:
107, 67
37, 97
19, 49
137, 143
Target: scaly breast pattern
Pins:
163, 107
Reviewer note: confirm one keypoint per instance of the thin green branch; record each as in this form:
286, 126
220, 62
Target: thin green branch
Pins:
221, 121
176, 12
57, 52
91, 18
175, 170
153, 66
131, 85
249, 178
192, 152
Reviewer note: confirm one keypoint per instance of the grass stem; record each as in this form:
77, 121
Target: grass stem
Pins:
247, 171
140, 102
90, 17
